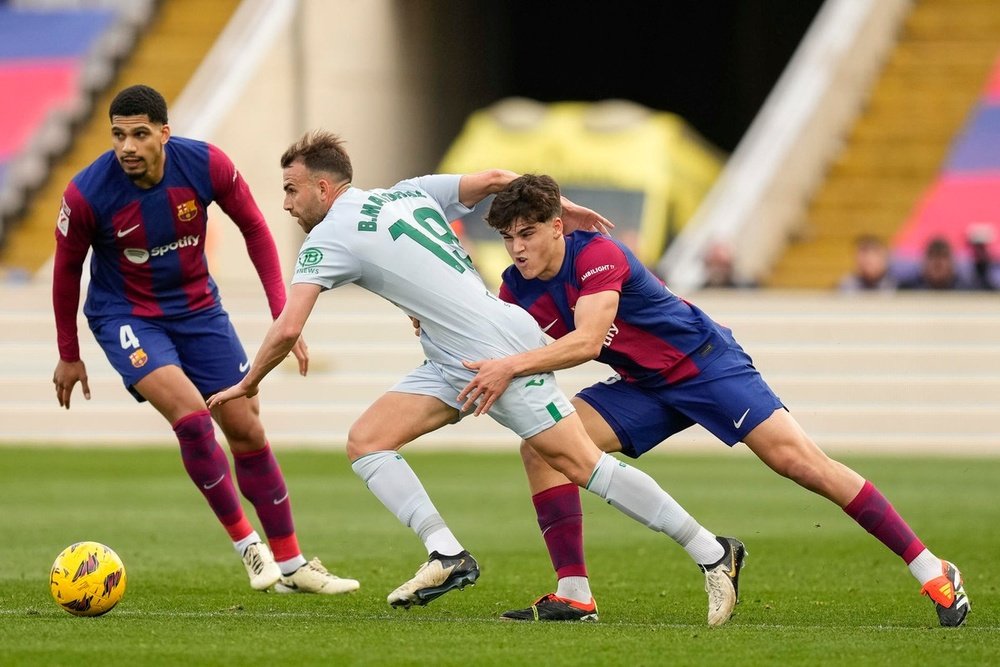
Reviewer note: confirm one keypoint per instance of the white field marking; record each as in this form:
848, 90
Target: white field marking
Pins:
338, 615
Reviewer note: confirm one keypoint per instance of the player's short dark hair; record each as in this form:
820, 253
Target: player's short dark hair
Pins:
139, 100
529, 197
320, 150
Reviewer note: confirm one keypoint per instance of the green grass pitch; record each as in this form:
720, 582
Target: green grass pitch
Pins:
816, 589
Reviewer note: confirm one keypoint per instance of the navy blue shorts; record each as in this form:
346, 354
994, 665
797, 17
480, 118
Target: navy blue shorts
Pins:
729, 398
203, 344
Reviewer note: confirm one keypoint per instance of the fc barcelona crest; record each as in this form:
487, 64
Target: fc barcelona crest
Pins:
138, 358
187, 211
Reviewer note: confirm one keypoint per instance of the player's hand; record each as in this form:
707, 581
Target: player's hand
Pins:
301, 352
493, 376
576, 217
416, 326
65, 377
226, 395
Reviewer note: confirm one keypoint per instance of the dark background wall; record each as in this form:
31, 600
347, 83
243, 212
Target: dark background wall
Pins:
711, 61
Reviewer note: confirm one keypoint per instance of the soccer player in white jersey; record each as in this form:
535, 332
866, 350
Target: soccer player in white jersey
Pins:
397, 243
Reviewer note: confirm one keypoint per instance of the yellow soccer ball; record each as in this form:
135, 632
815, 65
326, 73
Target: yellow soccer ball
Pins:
87, 579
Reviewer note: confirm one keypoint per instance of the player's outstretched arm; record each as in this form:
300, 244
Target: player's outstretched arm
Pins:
473, 188
281, 338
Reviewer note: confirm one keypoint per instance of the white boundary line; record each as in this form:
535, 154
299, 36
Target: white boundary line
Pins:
340, 616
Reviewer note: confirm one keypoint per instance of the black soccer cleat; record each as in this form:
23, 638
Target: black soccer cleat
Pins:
947, 592
436, 577
551, 607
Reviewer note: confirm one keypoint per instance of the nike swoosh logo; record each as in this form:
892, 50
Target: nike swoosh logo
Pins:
739, 422
281, 499
551, 324
212, 485
244, 366
125, 232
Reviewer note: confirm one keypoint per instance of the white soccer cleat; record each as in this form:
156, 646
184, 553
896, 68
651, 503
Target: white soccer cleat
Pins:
722, 581
261, 568
436, 577
314, 578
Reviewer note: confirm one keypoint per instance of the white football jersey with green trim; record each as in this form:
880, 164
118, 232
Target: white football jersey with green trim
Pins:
398, 243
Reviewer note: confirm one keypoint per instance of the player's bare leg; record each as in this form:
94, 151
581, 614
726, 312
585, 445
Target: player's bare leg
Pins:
372, 447
781, 443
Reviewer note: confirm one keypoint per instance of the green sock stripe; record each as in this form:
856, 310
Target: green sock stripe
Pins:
591, 480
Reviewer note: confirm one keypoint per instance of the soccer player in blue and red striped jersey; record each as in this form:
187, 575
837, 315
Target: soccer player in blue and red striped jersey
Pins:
675, 367
141, 210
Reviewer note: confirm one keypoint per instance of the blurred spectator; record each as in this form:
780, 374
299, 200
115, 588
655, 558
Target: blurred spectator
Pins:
985, 271
938, 269
720, 270
871, 267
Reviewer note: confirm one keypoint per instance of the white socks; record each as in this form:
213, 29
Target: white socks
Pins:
390, 478
630, 490
636, 494
925, 566
704, 548
575, 588
241, 545
289, 567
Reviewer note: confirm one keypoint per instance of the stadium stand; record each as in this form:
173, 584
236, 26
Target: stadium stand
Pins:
761, 197
898, 145
57, 56
166, 51
961, 205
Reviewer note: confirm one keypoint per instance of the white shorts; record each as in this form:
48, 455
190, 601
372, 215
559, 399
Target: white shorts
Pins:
529, 406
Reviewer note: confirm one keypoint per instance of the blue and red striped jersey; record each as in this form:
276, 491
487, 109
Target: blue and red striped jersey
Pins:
656, 338
149, 244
